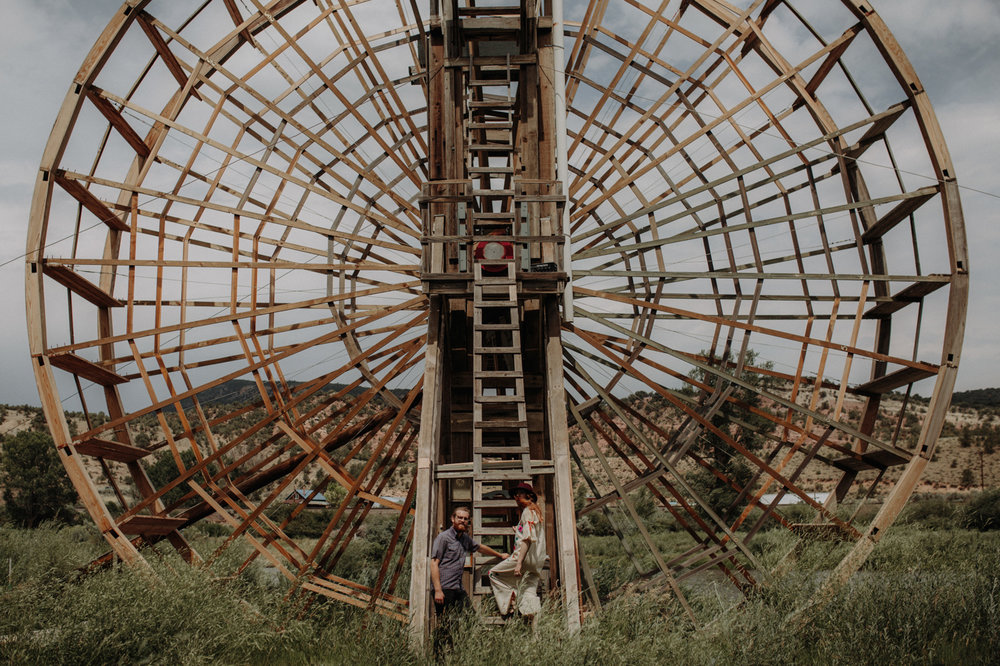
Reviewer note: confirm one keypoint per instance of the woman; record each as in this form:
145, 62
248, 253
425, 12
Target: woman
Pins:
518, 576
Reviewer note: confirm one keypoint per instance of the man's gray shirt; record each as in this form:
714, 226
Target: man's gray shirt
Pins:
449, 550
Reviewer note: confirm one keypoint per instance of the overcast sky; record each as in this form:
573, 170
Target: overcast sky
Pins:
953, 45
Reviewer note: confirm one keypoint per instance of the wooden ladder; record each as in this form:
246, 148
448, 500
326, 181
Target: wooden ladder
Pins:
500, 445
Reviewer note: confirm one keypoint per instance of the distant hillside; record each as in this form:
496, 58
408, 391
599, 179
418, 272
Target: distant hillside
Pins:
977, 398
242, 391
967, 454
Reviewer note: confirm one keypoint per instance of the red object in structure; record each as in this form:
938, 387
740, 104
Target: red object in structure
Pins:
493, 251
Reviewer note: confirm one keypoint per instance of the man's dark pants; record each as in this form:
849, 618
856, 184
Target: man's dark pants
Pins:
455, 603
454, 600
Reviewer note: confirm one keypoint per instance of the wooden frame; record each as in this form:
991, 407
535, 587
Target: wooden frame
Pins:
290, 202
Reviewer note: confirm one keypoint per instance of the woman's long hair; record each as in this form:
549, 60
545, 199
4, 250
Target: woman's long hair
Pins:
533, 505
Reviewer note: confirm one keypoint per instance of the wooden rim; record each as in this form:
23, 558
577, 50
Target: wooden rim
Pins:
235, 194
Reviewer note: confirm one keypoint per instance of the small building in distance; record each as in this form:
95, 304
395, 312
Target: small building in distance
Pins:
300, 495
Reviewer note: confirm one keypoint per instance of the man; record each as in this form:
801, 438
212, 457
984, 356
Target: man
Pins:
448, 561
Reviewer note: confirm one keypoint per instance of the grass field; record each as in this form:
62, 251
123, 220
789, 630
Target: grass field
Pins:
925, 596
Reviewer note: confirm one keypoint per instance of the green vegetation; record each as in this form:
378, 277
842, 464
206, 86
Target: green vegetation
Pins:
34, 482
978, 398
737, 421
924, 596
983, 511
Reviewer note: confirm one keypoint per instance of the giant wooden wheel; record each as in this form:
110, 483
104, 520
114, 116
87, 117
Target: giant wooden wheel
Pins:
234, 190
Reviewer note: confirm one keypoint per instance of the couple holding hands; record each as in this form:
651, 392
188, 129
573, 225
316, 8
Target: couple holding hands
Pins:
514, 579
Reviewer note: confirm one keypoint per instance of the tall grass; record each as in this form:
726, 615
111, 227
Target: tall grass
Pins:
924, 597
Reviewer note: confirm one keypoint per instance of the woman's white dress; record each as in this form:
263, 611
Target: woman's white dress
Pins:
524, 588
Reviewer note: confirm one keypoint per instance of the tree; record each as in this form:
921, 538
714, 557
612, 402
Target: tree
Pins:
35, 485
737, 420
968, 478
163, 470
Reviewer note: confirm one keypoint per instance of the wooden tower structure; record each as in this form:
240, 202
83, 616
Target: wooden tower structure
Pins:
388, 258
493, 270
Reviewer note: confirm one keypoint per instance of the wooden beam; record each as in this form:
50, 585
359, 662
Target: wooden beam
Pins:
150, 525
110, 450
80, 285
117, 120
913, 293
89, 201
899, 212
81, 367
173, 65
893, 381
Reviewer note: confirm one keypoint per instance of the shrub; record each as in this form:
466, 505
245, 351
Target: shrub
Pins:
34, 481
983, 511
931, 513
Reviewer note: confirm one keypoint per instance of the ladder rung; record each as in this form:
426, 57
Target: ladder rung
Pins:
492, 193
491, 103
498, 224
492, 531
499, 398
493, 169
497, 350
500, 424
507, 263
491, 147
509, 475
496, 304
497, 327
495, 504
110, 450
496, 281
512, 61
497, 374
503, 450
503, 215
499, 124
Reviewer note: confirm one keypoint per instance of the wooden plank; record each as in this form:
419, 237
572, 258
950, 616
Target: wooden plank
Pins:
81, 367
150, 525
110, 450
80, 285
877, 459
145, 21
558, 420
914, 293
832, 60
899, 212
89, 201
428, 449
117, 120
893, 381
875, 132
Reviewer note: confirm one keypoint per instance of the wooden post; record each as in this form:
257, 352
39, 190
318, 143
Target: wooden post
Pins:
557, 420
426, 497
